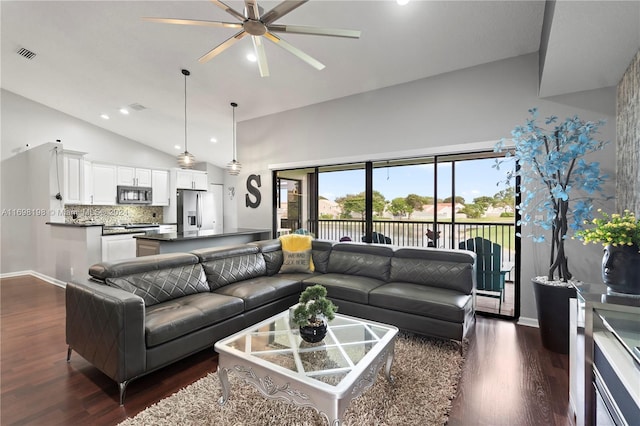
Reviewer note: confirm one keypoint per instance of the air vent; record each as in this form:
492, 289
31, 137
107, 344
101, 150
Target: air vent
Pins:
137, 107
26, 53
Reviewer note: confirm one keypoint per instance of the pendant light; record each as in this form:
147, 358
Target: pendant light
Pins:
186, 159
234, 166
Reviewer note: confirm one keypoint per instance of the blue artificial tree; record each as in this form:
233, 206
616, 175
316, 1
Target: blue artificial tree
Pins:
557, 185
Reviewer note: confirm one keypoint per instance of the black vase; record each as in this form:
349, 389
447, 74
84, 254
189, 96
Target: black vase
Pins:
313, 334
621, 269
552, 303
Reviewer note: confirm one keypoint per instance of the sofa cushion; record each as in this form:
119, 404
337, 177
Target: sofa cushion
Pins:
359, 259
296, 253
433, 302
320, 251
259, 291
175, 318
272, 253
227, 265
449, 269
157, 286
296, 261
346, 287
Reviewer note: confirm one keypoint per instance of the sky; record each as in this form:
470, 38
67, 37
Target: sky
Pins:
474, 178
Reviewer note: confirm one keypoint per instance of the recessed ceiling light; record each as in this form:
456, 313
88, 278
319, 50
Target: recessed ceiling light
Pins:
124, 111
214, 140
252, 58
402, 2
105, 116
177, 146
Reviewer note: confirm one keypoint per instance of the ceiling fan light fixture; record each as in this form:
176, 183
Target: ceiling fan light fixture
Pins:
186, 160
233, 167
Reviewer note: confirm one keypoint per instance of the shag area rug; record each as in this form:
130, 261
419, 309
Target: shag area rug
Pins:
426, 372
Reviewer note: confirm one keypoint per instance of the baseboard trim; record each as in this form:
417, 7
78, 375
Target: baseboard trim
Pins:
35, 274
528, 322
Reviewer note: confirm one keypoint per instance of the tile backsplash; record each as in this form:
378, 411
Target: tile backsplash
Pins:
112, 215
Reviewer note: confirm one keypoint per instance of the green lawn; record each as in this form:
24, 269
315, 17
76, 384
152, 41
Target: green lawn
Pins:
498, 234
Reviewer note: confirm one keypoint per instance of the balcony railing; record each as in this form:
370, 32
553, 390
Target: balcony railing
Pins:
413, 233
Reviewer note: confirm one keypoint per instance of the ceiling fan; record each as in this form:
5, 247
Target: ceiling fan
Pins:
258, 25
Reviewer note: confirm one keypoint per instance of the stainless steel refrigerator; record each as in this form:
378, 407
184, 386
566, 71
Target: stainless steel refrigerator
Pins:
198, 211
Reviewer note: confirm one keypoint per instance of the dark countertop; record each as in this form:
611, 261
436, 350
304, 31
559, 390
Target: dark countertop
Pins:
195, 235
112, 229
76, 225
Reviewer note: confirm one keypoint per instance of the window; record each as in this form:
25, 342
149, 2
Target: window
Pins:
441, 201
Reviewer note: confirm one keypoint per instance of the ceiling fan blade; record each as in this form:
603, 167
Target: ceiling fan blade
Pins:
229, 10
261, 55
222, 46
194, 22
280, 10
299, 29
251, 8
295, 51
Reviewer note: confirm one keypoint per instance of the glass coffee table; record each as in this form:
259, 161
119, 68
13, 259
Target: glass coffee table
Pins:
325, 376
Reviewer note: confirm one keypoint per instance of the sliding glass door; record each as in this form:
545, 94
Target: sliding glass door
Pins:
450, 202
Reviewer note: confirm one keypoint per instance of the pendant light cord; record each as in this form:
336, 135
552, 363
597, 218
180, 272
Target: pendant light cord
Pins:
185, 111
234, 105
185, 73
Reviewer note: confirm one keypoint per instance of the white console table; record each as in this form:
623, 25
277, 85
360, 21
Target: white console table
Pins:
604, 375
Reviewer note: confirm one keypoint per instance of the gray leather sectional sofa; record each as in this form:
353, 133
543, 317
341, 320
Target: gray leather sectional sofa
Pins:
135, 316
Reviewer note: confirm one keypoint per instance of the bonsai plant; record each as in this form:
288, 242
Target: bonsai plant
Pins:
309, 313
557, 187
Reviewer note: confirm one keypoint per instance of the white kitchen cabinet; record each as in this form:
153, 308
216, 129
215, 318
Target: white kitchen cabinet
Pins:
117, 247
191, 179
87, 183
160, 188
200, 181
77, 185
184, 179
133, 176
104, 184
73, 173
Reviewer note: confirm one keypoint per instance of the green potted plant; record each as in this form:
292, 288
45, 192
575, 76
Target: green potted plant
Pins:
620, 236
557, 189
312, 313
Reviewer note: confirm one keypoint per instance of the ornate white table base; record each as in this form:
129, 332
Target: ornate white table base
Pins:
273, 385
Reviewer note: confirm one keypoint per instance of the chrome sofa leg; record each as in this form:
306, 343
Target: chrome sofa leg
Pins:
69, 354
123, 387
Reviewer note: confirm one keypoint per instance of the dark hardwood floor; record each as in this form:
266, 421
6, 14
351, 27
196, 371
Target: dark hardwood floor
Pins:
508, 378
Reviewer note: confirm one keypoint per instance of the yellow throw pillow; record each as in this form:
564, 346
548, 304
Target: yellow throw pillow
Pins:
296, 251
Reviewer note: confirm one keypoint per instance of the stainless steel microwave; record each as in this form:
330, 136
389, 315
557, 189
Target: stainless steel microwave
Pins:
134, 195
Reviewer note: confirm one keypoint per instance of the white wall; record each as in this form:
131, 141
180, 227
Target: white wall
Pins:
452, 112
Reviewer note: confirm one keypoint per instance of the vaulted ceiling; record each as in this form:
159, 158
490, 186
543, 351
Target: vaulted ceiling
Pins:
94, 57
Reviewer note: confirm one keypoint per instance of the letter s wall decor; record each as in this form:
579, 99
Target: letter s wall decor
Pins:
253, 183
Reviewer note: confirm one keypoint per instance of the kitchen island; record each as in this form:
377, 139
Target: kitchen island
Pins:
174, 242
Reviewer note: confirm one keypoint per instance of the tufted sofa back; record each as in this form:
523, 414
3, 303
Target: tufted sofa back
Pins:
272, 253
154, 278
227, 265
366, 260
452, 269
